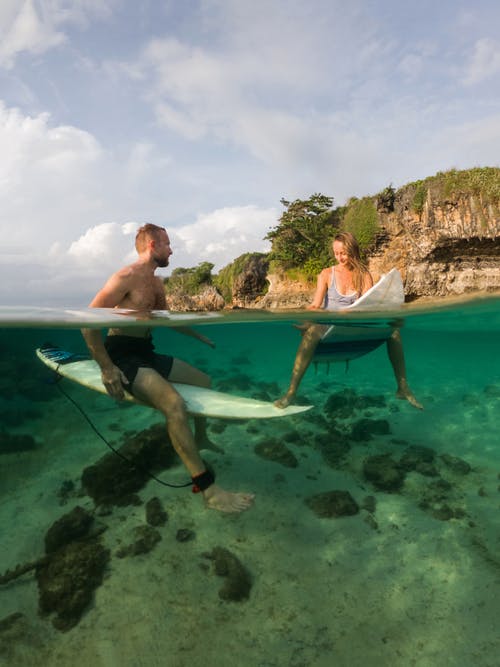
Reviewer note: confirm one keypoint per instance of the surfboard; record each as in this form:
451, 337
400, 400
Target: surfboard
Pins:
199, 401
386, 294
343, 342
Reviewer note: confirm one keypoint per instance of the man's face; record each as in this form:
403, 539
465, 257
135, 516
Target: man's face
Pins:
162, 249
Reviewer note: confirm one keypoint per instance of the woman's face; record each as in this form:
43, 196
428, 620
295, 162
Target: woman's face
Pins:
340, 252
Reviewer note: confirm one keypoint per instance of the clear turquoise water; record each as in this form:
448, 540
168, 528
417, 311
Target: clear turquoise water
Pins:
411, 589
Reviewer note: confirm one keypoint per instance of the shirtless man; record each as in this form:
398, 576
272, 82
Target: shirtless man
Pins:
127, 359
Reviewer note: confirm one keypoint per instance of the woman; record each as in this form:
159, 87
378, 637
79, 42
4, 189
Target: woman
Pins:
339, 286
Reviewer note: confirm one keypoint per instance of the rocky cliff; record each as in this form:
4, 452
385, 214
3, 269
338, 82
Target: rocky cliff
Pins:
443, 234
450, 247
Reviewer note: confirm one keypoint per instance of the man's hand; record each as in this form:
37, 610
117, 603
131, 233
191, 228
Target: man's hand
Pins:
113, 380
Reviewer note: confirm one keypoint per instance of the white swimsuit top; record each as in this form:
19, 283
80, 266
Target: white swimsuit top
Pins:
334, 300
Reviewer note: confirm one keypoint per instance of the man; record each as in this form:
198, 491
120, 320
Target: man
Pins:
127, 359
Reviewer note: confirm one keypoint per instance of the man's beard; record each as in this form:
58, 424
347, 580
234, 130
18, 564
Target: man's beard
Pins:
161, 261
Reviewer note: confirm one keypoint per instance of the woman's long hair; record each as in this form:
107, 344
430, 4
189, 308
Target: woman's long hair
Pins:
356, 264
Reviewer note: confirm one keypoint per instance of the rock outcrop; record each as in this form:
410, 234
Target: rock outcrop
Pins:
451, 248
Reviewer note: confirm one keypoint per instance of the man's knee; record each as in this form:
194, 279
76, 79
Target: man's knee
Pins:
174, 407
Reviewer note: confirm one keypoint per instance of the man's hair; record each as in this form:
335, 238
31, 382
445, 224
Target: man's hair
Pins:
147, 231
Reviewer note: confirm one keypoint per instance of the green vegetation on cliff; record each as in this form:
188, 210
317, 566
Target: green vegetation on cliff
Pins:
189, 281
482, 182
226, 277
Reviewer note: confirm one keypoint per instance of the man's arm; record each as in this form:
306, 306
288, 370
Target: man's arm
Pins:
108, 297
187, 331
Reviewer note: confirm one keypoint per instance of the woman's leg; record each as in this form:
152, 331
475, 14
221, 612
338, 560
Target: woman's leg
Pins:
305, 353
397, 359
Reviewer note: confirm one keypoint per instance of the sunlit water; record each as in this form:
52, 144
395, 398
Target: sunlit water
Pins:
413, 580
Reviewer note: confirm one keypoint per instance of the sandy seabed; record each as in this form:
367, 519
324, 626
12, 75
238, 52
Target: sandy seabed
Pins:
396, 587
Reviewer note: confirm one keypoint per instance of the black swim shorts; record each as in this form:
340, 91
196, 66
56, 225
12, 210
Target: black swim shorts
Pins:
130, 353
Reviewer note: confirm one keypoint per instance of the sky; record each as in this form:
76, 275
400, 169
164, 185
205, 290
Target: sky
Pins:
201, 115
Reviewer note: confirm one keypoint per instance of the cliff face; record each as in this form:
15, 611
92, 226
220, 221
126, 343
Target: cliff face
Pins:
450, 248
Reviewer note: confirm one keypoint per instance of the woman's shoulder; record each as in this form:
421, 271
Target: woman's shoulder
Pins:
325, 273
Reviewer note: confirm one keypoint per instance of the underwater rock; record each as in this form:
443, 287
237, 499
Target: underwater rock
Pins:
420, 459
333, 446
344, 404
238, 583
185, 535
455, 464
11, 444
67, 580
332, 504
273, 449
114, 481
415, 454
69, 527
365, 429
155, 514
146, 538
383, 472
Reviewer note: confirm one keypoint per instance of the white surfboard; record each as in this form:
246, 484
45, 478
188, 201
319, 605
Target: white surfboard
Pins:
199, 401
386, 294
343, 342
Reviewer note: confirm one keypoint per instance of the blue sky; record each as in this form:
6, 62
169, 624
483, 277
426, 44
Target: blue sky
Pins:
201, 115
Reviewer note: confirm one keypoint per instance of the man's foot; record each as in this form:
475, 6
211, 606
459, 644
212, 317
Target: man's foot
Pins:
406, 394
227, 501
284, 401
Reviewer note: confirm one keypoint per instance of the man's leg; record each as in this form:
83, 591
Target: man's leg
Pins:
305, 353
397, 359
183, 372
154, 390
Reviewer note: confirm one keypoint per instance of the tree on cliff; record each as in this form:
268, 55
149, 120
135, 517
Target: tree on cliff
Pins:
302, 238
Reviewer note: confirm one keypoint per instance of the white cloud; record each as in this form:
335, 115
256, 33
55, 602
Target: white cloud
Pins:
49, 178
221, 236
485, 61
37, 26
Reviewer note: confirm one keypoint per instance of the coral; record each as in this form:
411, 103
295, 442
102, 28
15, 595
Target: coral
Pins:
69, 527
114, 481
67, 580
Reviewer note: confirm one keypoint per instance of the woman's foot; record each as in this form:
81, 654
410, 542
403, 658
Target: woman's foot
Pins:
405, 393
284, 401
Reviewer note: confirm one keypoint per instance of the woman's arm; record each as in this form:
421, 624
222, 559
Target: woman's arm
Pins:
321, 289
